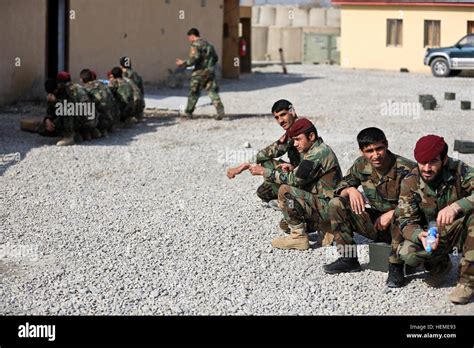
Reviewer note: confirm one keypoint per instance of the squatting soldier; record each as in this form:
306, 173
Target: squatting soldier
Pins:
285, 115
305, 190
380, 172
123, 93
128, 72
203, 56
67, 125
101, 95
138, 100
440, 189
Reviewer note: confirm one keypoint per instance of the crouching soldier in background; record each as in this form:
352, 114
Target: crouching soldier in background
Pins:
380, 173
305, 190
128, 72
123, 93
105, 106
441, 190
70, 111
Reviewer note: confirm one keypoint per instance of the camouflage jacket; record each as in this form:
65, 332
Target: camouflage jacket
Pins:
382, 191
72, 92
278, 149
419, 203
102, 96
133, 75
123, 92
201, 55
318, 172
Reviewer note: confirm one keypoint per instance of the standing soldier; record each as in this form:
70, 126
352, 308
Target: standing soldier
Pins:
128, 72
440, 189
138, 100
123, 93
305, 190
380, 172
204, 58
101, 95
285, 116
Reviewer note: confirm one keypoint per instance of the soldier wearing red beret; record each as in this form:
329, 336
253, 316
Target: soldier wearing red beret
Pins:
440, 190
305, 190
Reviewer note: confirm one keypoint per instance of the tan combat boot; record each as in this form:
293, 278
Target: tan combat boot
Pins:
298, 239
67, 140
461, 294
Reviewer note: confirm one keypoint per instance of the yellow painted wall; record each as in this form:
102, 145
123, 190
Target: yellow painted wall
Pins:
23, 36
150, 32
363, 34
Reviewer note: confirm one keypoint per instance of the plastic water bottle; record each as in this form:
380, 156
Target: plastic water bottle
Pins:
431, 238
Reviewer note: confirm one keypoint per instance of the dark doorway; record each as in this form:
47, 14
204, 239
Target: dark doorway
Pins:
57, 37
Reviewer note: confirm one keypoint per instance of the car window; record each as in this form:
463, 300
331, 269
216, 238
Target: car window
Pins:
467, 41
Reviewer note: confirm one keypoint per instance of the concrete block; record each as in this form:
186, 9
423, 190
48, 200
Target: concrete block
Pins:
333, 17
300, 17
283, 13
267, 16
317, 17
289, 39
259, 42
378, 256
256, 15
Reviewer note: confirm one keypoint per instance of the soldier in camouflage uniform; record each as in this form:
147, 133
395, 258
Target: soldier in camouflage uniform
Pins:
60, 90
123, 93
203, 56
128, 72
379, 172
440, 189
138, 100
305, 190
285, 115
101, 95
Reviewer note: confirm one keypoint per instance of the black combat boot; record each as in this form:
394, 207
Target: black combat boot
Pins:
342, 265
395, 278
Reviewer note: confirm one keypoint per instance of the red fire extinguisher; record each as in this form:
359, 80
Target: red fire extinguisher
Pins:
242, 47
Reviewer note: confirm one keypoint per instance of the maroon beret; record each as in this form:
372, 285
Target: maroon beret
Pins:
428, 148
94, 75
299, 127
64, 76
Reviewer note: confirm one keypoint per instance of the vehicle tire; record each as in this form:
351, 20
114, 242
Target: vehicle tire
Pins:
440, 67
455, 72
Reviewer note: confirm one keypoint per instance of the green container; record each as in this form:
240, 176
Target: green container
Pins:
378, 256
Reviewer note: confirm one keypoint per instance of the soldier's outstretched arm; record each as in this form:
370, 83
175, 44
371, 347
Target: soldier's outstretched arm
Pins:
232, 172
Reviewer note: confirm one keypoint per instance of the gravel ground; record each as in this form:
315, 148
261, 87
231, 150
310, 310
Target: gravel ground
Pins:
145, 221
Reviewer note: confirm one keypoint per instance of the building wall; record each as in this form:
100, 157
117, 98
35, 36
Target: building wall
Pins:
150, 32
23, 37
363, 35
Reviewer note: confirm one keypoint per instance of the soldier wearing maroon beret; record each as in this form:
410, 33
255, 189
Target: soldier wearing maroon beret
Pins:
440, 190
305, 190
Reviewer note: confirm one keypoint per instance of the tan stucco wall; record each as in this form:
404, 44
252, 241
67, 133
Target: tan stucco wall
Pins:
148, 31
22, 35
363, 35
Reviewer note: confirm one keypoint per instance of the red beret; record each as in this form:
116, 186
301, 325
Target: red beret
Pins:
64, 76
94, 75
299, 127
428, 148
109, 73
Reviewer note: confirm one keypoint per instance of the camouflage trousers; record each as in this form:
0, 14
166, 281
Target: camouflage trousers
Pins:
457, 236
105, 120
66, 125
203, 79
299, 206
344, 222
268, 190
